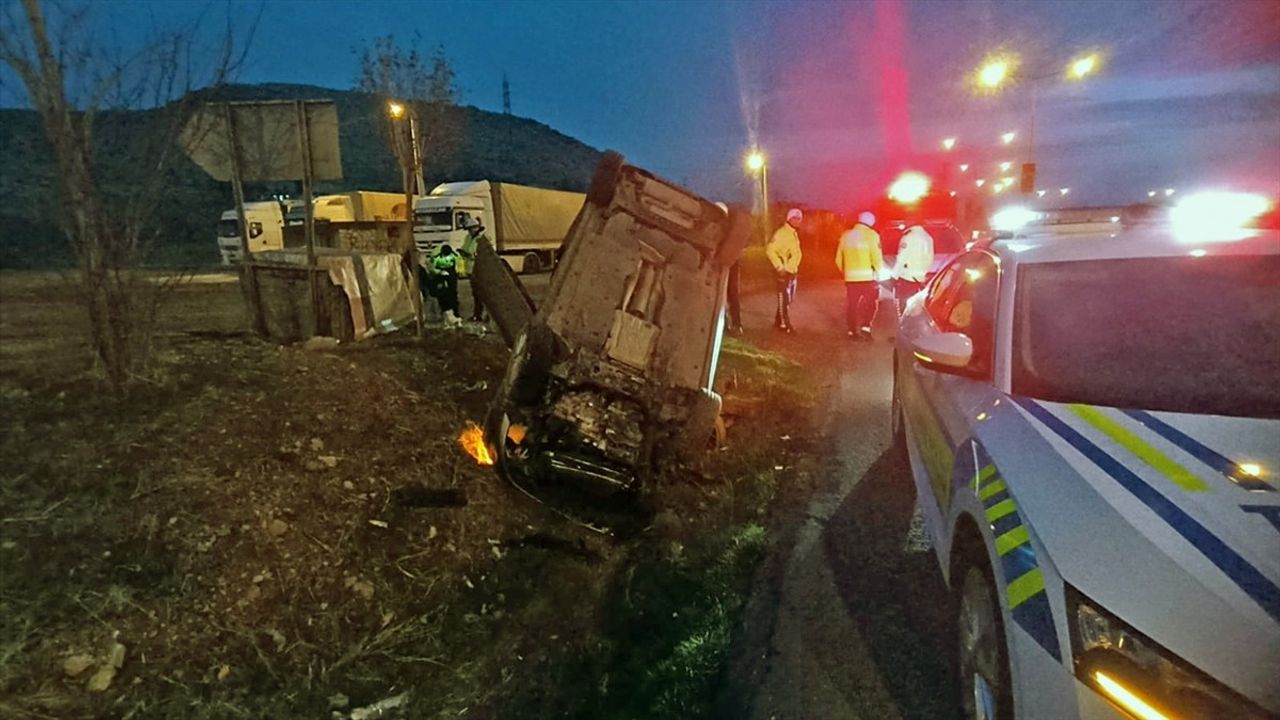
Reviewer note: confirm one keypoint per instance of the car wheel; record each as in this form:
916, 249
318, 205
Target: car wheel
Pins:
605, 180
985, 692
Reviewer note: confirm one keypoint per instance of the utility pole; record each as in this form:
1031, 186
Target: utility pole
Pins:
506, 95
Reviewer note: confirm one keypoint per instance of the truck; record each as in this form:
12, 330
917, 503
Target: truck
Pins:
266, 220
526, 224
354, 206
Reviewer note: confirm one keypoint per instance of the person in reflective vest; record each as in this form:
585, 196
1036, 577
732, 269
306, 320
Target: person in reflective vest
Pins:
910, 268
442, 279
467, 263
858, 258
784, 254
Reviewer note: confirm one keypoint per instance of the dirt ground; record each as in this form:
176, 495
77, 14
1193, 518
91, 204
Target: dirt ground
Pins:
268, 531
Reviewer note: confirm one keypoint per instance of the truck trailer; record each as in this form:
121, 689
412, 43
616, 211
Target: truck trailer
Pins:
355, 206
526, 224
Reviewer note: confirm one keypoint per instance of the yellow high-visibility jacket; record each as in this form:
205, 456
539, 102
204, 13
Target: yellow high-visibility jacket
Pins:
858, 255
783, 250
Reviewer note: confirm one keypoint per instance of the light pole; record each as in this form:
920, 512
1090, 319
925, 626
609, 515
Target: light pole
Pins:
411, 172
756, 163
398, 111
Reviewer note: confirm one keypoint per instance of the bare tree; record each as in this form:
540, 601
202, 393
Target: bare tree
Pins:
112, 119
425, 85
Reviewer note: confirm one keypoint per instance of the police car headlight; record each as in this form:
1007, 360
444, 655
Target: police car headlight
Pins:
1142, 678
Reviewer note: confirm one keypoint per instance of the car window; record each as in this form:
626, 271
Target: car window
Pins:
1179, 334
255, 229
963, 299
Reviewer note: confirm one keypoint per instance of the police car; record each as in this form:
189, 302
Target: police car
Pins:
1093, 428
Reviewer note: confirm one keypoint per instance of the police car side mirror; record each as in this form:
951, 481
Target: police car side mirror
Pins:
943, 351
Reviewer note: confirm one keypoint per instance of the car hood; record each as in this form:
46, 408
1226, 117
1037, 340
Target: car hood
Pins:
1157, 518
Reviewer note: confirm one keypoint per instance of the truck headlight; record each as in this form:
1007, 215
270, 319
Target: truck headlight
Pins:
1142, 678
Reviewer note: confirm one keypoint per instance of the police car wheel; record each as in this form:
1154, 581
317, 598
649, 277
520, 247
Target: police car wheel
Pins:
984, 667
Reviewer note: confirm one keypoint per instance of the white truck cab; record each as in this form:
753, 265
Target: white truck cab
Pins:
442, 216
266, 229
527, 225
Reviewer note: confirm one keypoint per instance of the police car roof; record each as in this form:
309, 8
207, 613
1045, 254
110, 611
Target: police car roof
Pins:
1041, 245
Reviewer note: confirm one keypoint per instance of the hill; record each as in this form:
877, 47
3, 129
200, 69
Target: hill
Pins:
485, 145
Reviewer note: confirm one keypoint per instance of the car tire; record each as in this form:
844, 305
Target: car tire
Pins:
532, 264
605, 180
982, 647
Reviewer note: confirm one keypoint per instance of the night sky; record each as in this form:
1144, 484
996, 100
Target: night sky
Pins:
840, 95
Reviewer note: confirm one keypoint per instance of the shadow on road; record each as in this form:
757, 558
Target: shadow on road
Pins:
892, 589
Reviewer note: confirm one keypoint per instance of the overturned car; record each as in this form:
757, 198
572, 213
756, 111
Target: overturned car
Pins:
611, 376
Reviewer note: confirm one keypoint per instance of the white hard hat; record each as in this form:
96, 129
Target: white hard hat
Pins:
867, 218
794, 214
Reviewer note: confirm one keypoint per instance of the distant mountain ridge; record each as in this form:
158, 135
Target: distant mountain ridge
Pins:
488, 145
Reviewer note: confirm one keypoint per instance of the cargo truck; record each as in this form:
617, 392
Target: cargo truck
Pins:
526, 224
266, 229
268, 218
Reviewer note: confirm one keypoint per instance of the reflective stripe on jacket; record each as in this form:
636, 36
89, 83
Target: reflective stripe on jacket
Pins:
783, 250
915, 255
443, 263
467, 254
858, 256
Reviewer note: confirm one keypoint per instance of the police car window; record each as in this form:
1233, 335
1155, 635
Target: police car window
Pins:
944, 283
1196, 335
964, 300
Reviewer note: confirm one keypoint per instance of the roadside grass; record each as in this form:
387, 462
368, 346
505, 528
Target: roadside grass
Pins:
669, 615
238, 525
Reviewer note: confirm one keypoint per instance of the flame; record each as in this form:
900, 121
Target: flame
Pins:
472, 440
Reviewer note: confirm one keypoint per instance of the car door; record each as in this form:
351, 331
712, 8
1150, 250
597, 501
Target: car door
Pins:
939, 401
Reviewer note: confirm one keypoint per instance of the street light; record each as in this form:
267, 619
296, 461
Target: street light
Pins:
1083, 66
948, 143
397, 111
994, 71
1064, 191
980, 182
1151, 193
1040, 193
1004, 166
1169, 191
757, 164
964, 167
1008, 137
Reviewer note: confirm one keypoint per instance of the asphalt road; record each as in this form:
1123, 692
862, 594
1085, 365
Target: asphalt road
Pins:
849, 618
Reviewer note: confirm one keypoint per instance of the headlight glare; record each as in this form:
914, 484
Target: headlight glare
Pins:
1141, 677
